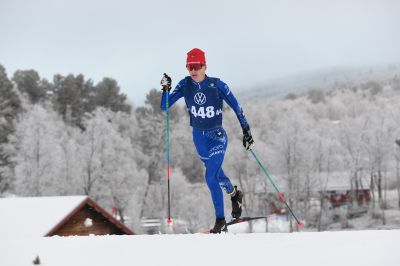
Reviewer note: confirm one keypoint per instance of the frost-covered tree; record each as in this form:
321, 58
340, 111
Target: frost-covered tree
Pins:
71, 165
191, 203
110, 173
292, 151
35, 150
152, 140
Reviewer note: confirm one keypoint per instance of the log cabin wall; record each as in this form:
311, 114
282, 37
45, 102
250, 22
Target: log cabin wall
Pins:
97, 225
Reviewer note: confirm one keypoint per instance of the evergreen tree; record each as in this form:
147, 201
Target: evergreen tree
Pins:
10, 106
73, 98
28, 82
107, 94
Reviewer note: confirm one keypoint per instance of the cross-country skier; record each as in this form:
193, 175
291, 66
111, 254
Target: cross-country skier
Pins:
204, 97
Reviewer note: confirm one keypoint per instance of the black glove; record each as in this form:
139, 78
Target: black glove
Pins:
166, 82
247, 138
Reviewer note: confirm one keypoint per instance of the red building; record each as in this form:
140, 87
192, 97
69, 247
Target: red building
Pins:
341, 197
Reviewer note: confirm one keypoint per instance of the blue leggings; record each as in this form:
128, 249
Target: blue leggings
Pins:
211, 146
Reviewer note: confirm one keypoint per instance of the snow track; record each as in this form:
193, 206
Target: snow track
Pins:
326, 248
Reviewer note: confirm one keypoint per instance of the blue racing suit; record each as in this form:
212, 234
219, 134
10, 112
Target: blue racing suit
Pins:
204, 102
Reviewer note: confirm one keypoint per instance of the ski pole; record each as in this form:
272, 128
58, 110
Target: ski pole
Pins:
299, 224
169, 221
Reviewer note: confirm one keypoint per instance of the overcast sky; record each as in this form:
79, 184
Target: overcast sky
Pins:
246, 42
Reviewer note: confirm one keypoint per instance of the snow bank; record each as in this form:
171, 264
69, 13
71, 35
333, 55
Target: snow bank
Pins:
327, 248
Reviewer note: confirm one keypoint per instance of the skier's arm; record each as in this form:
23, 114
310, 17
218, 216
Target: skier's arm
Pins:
176, 94
230, 99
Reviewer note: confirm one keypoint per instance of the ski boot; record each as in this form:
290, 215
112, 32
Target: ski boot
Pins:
236, 198
219, 226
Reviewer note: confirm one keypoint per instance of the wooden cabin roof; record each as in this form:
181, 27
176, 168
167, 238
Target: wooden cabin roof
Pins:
42, 216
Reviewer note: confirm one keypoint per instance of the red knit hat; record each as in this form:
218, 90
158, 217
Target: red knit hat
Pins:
196, 56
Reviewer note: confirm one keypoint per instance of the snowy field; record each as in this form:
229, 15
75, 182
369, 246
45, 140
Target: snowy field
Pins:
364, 248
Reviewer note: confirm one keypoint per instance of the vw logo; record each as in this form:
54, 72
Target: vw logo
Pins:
200, 98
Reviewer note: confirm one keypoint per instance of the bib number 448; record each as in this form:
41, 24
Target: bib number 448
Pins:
204, 112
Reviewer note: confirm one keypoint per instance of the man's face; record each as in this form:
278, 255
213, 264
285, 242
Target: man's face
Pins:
197, 71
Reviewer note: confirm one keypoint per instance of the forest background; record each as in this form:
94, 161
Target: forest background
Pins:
70, 136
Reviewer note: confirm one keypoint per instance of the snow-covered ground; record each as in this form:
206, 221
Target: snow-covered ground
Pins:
365, 248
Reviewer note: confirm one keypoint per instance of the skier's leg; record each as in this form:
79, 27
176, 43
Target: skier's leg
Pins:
222, 144
213, 166
225, 183
215, 177
202, 143
211, 146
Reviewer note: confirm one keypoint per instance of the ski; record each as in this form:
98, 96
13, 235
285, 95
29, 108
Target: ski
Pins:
244, 219
237, 221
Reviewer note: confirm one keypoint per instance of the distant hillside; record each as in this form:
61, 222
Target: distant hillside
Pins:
325, 79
